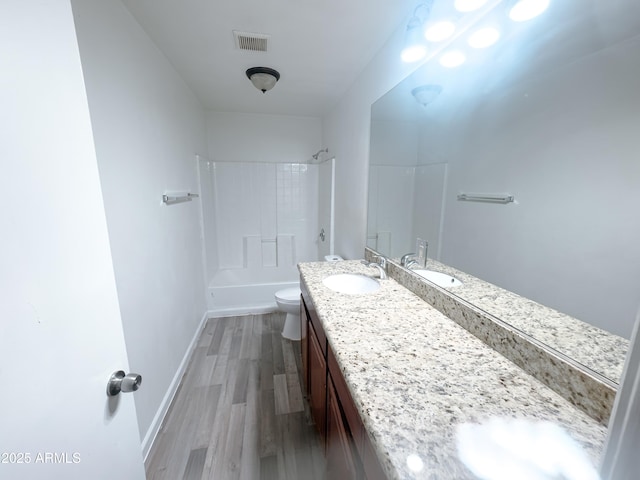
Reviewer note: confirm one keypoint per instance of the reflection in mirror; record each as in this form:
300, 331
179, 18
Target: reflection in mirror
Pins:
549, 114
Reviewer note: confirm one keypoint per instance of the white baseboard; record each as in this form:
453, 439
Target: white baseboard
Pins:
152, 432
245, 310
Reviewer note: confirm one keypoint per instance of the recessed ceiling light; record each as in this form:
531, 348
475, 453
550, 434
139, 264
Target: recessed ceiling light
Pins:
527, 9
468, 5
483, 38
439, 31
452, 59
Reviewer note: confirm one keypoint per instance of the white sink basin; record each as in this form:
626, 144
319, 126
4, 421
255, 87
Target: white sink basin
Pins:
439, 278
351, 283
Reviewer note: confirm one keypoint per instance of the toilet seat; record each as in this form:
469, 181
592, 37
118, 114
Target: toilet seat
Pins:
289, 295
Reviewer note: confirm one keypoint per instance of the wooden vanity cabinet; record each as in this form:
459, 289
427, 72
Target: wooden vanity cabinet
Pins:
341, 461
317, 394
348, 450
304, 347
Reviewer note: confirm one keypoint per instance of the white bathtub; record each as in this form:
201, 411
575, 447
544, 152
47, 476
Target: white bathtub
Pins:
239, 291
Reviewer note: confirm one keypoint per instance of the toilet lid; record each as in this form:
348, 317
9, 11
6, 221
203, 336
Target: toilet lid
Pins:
289, 294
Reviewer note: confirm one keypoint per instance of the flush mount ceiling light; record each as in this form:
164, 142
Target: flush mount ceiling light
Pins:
425, 94
468, 5
483, 38
263, 78
440, 31
527, 9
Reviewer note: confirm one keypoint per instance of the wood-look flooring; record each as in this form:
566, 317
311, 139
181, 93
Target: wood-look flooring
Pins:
239, 412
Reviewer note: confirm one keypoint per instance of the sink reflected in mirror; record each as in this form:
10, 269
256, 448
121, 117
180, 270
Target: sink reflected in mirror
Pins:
439, 278
351, 283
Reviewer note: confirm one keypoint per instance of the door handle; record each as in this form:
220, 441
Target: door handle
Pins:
119, 382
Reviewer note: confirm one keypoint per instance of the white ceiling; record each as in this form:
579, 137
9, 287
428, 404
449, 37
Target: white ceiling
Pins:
318, 46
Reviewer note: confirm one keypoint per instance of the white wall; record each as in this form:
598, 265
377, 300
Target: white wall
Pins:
428, 207
326, 171
346, 133
405, 203
390, 214
394, 143
394, 155
147, 127
253, 137
566, 145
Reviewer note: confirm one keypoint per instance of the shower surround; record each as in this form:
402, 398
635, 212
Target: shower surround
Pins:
259, 221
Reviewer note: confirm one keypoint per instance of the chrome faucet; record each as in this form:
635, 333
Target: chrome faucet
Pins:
411, 260
380, 264
408, 260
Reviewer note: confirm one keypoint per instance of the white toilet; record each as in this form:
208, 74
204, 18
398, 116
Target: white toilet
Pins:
288, 301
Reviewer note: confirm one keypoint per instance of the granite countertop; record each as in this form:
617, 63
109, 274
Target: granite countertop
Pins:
597, 349
415, 375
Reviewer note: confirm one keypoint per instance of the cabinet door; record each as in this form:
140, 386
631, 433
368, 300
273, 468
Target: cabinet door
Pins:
341, 463
317, 383
304, 346
370, 463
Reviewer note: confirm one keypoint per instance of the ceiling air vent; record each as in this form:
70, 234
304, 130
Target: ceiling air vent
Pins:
252, 42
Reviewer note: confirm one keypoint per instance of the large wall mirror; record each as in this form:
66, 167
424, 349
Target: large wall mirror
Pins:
549, 114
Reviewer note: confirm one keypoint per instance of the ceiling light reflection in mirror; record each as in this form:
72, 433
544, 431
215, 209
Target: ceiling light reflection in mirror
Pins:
527, 9
468, 5
439, 32
483, 38
440, 29
414, 46
452, 59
